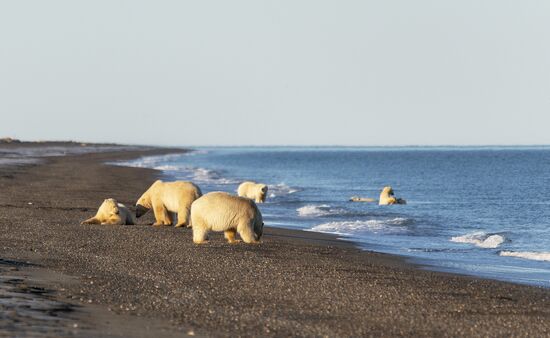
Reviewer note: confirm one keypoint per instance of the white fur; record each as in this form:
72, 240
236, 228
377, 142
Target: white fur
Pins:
253, 190
387, 197
220, 211
111, 212
174, 197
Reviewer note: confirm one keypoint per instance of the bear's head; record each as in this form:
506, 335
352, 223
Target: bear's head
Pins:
258, 230
263, 192
144, 203
387, 192
258, 225
109, 207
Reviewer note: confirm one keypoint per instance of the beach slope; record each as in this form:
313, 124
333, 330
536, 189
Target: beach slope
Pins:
294, 283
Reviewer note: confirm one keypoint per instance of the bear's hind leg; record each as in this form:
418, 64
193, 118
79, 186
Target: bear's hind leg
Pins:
200, 235
230, 236
183, 218
93, 220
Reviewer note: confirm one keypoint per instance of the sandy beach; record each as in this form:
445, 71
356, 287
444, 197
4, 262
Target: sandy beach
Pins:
121, 281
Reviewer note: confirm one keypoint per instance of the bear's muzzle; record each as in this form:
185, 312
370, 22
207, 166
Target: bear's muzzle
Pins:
140, 210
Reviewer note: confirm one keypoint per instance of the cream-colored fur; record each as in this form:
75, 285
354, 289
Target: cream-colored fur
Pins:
169, 197
253, 190
220, 211
387, 197
111, 212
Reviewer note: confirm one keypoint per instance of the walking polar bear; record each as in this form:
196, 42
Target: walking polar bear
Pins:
112, 212
220, 211
169, 197
253, 190
387, 197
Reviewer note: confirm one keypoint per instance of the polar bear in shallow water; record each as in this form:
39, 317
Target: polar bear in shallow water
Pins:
169, 197
387, 197
111, 212
253, 190
220, 211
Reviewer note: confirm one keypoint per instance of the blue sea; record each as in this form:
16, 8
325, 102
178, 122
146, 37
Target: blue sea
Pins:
482, 211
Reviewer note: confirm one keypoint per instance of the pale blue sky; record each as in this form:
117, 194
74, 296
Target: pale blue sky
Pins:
276, 72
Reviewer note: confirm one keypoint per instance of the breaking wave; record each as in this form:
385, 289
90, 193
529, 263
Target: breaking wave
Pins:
318, 210
280, 189
195, 174
208, 176
535, 256
480, 239
393, 225
153, 162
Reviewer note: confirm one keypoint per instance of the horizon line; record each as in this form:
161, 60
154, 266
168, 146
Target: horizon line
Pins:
298, 145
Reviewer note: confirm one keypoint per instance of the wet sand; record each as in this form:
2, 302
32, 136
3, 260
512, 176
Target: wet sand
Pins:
153, 281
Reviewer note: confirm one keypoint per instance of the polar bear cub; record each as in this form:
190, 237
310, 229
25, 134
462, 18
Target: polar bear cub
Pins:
169, 197
111, 212
253, 190
220, 211
387, 197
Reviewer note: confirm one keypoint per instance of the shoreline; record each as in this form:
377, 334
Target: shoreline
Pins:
295, 283
169, 169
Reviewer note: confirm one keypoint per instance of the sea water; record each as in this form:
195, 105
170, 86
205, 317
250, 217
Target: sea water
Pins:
483, 211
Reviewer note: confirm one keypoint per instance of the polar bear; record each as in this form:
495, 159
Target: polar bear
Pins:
169, 197
220, 211
253, 190
111, 212
387, 197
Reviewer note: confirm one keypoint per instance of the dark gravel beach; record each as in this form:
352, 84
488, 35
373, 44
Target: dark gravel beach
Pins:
141, 280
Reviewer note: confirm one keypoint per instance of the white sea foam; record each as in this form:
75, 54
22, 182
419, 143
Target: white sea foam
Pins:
314, 210
393, 225
280, 189
170, 163
480, 239
203, 175
167, 167
155, 162
535, 256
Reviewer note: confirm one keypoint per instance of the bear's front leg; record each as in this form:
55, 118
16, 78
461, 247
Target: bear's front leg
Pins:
230, 236
247, 234
161, 215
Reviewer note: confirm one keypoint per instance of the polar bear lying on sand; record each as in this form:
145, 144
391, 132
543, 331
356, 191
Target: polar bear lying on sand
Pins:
169, 197
253, 190
387, 197
111, 212
220, 211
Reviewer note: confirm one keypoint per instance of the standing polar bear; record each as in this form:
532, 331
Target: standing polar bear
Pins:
220, 211
253, 190
387, 197
169, 197
111, 212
